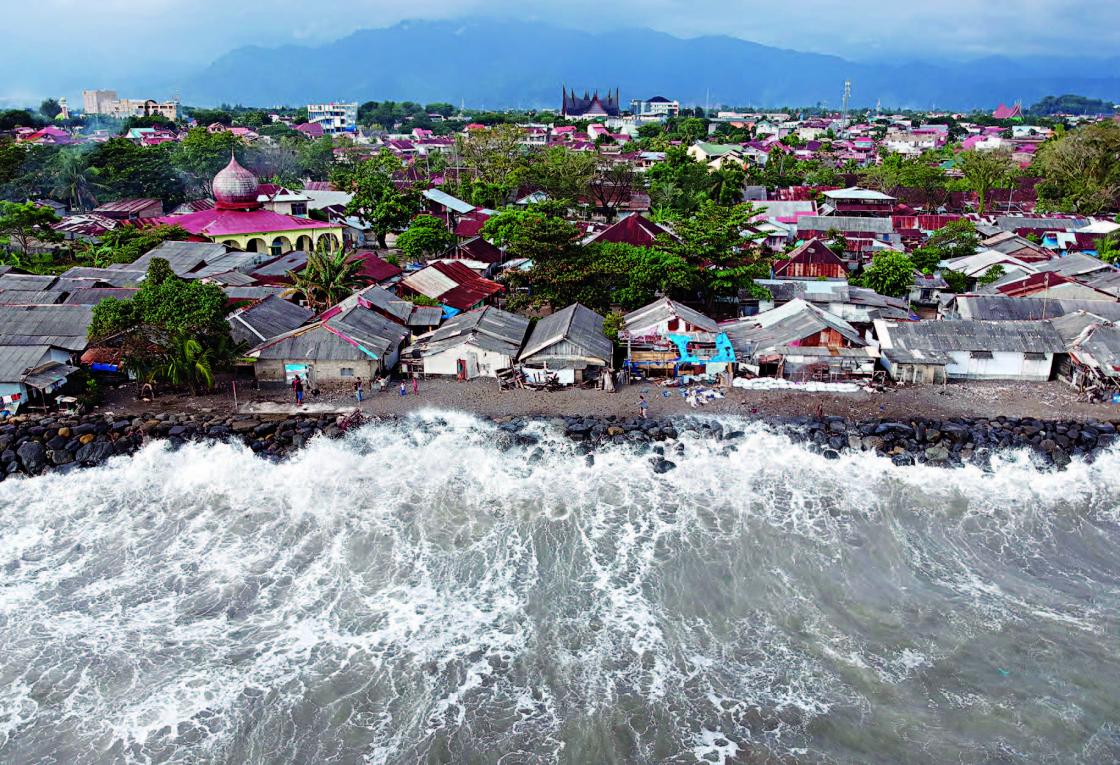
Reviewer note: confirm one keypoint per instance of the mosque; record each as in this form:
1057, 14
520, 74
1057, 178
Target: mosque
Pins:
239, 220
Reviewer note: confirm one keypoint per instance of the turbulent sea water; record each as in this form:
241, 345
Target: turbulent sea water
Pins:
414, 594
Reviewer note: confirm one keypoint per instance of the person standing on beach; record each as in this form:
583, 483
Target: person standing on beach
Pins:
404, 391
297, 386
358, 389
415, 385
643, 406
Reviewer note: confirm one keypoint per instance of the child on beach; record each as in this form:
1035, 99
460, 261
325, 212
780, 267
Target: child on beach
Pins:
404, 391
297, 386
358, 389
415, 386
643, 406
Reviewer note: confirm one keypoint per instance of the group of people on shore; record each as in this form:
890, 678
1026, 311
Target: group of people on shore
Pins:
381, 384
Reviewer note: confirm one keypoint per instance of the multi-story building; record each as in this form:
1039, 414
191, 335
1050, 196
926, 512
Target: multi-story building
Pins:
106, 102
658, 106
334, 117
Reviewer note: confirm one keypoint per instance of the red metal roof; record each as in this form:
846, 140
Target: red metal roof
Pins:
216, 222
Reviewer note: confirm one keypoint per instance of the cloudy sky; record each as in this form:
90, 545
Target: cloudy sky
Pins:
53, 45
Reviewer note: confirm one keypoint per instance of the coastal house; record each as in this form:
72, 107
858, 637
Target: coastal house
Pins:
1092, 359
970, 350
478, 343
799, 340
39, 345
265, 319
356, 342
568, 345
667, 338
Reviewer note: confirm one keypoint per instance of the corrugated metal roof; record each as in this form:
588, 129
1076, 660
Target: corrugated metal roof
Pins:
845, 224
785, 325
16, 360
117, 277
94, 295
944, 336
270, 317
63, 326
30, 297
488, 327
1005, 308
444, 199
575, 324
28, 282
664, 310
184, 257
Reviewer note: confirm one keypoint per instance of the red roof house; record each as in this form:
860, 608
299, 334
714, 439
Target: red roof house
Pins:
811, 260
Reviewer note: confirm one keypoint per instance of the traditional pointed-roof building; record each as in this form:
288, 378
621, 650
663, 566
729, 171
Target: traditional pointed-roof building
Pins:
238, 219
590, 104
1004, 112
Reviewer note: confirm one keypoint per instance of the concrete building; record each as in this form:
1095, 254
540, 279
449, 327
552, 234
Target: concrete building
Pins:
334, 118
658, 106
106, 102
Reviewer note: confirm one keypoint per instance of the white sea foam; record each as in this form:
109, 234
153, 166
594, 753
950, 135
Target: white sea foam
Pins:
414, 591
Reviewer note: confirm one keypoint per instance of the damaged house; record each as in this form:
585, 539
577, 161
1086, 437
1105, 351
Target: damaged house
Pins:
800, 341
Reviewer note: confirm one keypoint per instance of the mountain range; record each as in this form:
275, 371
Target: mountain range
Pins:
496, 64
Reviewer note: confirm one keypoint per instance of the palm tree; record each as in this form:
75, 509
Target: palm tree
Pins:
186, 362
327, 278
74, 179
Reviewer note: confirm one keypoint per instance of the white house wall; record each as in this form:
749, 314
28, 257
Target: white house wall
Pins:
445, 362
1004, 365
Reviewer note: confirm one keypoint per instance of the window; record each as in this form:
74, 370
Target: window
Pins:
346, 372
980, 354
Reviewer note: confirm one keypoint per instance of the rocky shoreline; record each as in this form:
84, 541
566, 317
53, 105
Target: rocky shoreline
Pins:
58, 443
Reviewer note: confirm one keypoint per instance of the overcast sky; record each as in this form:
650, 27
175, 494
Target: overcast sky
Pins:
54, 44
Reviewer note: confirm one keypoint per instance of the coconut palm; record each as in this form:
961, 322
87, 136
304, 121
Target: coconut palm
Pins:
186, 362
327, 278
74, 179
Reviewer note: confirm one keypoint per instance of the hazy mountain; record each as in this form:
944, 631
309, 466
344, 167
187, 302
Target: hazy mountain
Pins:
499, 64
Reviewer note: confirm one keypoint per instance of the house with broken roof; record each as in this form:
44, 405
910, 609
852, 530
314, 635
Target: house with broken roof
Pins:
856, 305
969, 350
1092, 359
478, 343
418, 319
568, 345
799, 340
356, 342
39, 345
667, 338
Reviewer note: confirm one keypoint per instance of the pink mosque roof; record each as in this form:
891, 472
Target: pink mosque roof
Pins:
237, 210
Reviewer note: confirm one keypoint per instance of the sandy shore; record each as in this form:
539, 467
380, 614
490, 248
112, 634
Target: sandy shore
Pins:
975, 400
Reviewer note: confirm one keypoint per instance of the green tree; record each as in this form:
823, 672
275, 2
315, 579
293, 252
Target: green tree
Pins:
562, 174
201, 154
125, 244
316, 158
678, 183
21, 224
957, 239
984, 171
727, 184
376, 199
124, 170
1080, 170
50, 108
74, 179
992, 275
532, 233
958, 282
890, 273
426, 236
494, 159
328, 278
720, 244
186, 361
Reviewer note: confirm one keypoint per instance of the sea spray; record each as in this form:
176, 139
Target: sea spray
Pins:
417, 592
